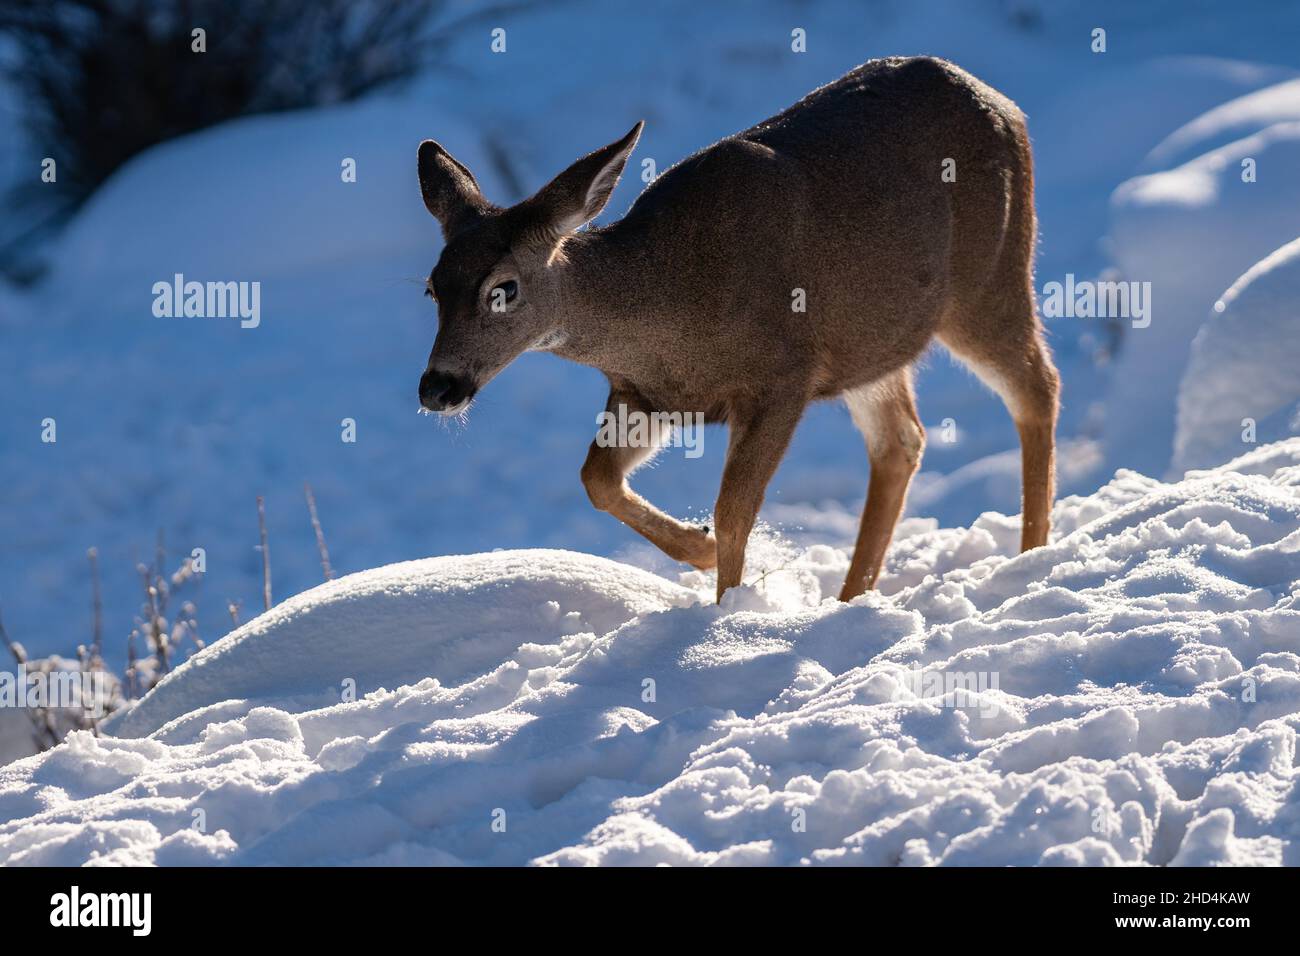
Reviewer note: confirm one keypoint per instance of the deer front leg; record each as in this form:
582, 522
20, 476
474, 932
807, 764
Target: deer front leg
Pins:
758, 442
604, 475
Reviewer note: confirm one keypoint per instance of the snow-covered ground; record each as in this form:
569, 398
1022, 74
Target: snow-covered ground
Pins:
1147, 678
1128, 694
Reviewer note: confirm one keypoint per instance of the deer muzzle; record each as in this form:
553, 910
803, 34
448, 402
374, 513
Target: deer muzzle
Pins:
444, 392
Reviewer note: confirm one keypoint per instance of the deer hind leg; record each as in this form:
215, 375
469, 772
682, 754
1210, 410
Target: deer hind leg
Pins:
1006, 349
885, 413
604, 475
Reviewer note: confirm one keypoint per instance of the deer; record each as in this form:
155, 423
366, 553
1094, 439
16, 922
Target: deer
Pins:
896, 203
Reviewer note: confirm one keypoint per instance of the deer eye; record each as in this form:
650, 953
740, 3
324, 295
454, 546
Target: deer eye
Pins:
502, 295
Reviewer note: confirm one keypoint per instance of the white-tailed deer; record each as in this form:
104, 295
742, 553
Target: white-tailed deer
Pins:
896, 204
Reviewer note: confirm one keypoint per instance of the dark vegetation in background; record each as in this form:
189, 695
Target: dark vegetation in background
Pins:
103, 80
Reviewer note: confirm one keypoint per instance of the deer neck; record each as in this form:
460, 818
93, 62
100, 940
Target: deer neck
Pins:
608, 320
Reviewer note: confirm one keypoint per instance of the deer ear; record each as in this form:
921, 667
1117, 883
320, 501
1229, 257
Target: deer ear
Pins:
449, 189
578, 194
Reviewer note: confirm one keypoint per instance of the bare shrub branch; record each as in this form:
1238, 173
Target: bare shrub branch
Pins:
266, 553
320, 535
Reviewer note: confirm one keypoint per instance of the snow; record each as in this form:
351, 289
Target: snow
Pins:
1146, 662
442, 619
1243, 366
1191, 230
1228, 122
291, 215
1128, 694
1074, 176
47, 698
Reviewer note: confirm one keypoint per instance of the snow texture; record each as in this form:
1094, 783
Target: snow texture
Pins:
1244, 373
1128, 694
1191, 230
1141, 674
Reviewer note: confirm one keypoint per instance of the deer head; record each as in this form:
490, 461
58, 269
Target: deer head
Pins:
497, 282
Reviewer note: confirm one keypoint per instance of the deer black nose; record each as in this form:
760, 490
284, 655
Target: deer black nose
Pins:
440, 391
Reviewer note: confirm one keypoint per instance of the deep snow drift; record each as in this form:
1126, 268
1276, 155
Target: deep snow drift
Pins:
1128, 694
1243, 368
1192, 229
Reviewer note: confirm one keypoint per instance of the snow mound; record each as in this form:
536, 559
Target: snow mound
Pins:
1190, 232
441, 617
1074, 178
1231, 121
1243, 365
1128, 694
270, 194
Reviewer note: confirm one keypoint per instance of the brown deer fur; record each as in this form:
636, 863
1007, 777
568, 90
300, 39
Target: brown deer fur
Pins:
685, 304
